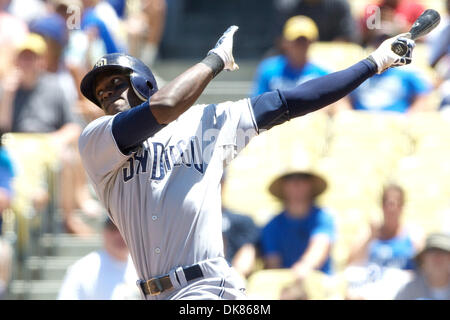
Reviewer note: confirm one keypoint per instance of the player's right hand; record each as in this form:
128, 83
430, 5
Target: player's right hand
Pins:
385, 58
224, 49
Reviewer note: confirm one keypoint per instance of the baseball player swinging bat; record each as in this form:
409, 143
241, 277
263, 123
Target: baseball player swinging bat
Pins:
156, 160
427, 21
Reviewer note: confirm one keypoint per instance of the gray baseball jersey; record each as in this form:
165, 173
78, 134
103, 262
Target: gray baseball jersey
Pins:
165, 197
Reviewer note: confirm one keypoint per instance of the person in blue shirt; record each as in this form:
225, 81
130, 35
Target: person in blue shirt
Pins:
396, 90
119, 6
391, 244
292, 67
102, 17
301, 236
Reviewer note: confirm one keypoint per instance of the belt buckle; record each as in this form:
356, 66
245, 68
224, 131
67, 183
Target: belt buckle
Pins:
154, 286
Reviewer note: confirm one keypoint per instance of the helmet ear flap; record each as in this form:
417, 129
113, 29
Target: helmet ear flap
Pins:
140, 87
143, 88
141, 77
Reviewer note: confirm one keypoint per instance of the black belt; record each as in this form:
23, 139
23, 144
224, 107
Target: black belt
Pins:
158, 285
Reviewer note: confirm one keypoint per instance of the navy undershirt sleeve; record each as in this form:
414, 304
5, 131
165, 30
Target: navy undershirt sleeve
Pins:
275, 107
132, 127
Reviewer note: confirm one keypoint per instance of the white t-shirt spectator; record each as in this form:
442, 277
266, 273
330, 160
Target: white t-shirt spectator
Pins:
98, 276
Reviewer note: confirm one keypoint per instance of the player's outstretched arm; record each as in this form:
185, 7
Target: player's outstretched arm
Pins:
133, 126
176, 97
278, 106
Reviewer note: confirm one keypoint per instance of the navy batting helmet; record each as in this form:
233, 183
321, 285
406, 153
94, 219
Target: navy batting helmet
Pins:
141, 78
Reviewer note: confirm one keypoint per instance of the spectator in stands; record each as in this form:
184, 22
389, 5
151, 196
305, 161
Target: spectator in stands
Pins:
31, 98
439, 39
396, 16
76, 53
32, 101
9, 40
54, 31
145, 26
395, 90
6, 175
105, 274
240, 238
381, 260
27, 10
439, 45
301, 236
119, 6
333, 17
432, 281
391, 244
104, 27
292, 67
75, 192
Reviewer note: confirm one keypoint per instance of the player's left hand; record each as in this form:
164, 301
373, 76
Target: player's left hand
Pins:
385, 58
224, 49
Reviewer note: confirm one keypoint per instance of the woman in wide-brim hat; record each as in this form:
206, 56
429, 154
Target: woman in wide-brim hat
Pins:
300, 237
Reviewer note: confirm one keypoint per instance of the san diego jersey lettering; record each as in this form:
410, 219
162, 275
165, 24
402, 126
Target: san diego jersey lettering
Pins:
165, 197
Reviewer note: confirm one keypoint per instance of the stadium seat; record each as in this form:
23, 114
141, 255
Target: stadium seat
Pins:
358, 7
357, 122
299, 141
33, 156
430, 132
426, 180
438, 5
268, 285
335, 56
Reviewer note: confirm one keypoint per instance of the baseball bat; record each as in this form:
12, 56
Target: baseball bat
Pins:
424, 24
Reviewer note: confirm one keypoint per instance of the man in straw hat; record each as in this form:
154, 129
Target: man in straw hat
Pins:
300, 237
433, 278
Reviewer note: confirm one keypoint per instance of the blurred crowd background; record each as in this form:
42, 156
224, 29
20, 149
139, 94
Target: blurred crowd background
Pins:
350, 202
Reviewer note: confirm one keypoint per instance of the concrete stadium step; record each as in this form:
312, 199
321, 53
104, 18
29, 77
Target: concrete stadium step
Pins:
95, 223
227, 86
34, 290
49, 268
171, 68
70, 245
